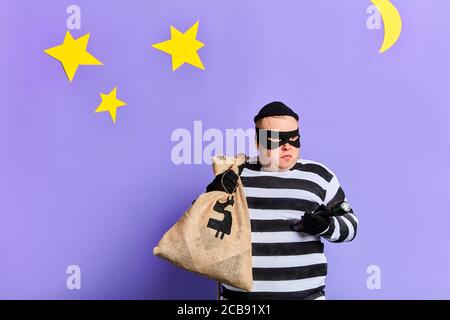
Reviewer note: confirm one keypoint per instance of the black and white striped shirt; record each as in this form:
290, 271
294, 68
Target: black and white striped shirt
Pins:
289, 264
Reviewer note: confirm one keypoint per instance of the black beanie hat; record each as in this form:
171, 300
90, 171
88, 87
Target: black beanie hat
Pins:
275, 108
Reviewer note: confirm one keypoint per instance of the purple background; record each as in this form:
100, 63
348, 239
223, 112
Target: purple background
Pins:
76, 189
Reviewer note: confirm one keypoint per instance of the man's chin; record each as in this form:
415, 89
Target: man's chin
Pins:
285, 165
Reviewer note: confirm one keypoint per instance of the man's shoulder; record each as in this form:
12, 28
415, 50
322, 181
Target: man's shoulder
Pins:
316, 167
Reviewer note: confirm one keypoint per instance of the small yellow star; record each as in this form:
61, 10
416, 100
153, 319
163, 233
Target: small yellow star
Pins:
183, 47
72, 53
110, 103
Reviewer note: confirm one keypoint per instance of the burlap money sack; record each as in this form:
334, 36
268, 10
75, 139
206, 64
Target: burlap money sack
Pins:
213, 237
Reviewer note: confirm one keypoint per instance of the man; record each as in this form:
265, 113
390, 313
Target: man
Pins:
291, 204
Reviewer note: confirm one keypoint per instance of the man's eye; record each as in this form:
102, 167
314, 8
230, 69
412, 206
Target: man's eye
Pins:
293, 138
274, 139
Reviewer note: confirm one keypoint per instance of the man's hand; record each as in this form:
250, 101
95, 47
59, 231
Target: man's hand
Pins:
226, 181
313, 222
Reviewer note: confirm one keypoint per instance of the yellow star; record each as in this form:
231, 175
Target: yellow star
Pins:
110, 103
183, 47
72, 53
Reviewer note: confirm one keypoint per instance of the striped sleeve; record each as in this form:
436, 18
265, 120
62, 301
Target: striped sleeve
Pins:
342, 228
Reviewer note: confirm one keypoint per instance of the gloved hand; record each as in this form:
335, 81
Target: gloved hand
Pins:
313, 222
226, 181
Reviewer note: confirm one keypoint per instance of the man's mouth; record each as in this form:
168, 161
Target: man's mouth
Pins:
286, 157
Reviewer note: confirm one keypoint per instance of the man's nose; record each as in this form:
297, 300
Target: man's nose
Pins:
286, 146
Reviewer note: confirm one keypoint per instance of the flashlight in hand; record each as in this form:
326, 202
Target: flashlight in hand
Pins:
337, 209
317, 221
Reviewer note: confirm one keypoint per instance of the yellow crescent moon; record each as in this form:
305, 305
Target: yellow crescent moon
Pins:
392, 23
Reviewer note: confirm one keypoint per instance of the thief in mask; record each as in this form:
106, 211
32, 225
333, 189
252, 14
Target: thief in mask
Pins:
293, 204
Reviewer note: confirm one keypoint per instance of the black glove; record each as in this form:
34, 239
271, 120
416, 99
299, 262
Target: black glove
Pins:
313, 222
226, 181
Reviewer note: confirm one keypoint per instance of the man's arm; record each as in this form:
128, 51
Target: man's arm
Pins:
341, 228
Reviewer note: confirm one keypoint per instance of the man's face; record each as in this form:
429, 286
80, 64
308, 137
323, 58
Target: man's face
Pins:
285, 156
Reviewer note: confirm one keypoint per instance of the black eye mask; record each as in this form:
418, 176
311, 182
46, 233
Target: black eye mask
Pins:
281, 137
